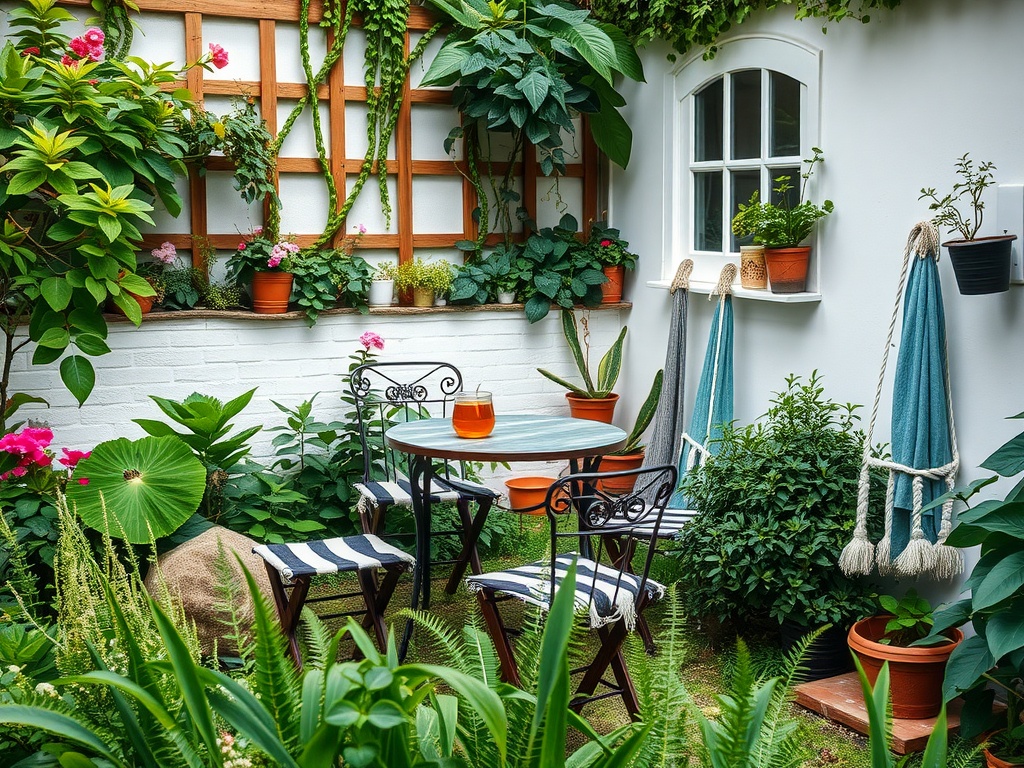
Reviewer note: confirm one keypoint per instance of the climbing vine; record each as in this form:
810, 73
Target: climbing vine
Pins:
699, 23
112, 17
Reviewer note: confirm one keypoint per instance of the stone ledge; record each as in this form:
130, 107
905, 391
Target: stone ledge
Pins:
205, 314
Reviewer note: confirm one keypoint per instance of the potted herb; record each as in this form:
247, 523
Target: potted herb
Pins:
981, 264
382, 287
631, 456
774, 507
591, 401
427, 280
614, 256
781, 226
266, 264
917, 660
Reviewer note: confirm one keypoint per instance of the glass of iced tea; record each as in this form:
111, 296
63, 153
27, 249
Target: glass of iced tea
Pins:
473, 414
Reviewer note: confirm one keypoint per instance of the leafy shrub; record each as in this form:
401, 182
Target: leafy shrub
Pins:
776, 507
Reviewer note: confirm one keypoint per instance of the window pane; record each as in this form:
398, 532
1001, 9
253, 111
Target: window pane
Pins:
707, 138
785, 128
707, 211
744, 184
792, 196
746, 114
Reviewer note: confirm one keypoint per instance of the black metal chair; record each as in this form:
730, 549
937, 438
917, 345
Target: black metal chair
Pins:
291, 568
613, 596
392, 392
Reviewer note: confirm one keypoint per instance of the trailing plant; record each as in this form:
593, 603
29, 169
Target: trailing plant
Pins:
89, 143
607, 370
436, 276
974, 181
774, 511
782, 223
700, 24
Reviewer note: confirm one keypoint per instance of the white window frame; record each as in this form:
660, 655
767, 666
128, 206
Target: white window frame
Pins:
787, 56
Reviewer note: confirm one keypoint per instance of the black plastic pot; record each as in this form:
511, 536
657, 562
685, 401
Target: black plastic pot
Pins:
983, 265
828, 656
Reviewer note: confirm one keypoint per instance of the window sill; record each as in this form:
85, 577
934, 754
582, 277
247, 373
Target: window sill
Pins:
707, 287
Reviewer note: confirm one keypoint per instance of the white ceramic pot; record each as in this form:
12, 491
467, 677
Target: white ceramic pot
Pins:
440, 301
382, 293
506, 297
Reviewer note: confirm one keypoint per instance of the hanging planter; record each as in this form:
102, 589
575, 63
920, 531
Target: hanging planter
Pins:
981, 266
787, 268
270, 292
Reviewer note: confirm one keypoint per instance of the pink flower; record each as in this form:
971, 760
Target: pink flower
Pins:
218, 56
93, 82
19, 471
362, 229
71, 458
80, 47
371, 339
41, 435
30, 51
241, 245
95, 54
258, 231
605, 243
165, 254
94, 36
83, 481
67, 61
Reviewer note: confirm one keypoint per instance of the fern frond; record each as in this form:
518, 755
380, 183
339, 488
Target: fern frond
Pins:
20, 579
450, 643
228, 597
317, 640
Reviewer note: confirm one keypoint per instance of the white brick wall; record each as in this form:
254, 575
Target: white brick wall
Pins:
173, 356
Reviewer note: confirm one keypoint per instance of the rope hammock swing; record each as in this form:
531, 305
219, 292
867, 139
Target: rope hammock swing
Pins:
923, 552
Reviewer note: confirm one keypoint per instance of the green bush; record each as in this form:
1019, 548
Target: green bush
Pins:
776, 507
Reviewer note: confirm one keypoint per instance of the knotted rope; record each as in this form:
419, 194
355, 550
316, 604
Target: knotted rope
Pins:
920, 555
682, 277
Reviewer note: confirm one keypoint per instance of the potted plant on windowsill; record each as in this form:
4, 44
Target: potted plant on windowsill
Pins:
782, 226
631, 456
589, 401
612, 253
427, 280
382, 286
265, 262
917, 659
981, 264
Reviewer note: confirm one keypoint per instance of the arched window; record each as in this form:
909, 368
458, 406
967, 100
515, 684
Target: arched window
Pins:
740, 121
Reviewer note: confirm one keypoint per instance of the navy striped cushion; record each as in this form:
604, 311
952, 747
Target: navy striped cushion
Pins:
672, 522
339, 555
442, 489
609, 597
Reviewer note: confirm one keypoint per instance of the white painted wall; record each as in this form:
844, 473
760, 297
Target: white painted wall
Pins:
901, 99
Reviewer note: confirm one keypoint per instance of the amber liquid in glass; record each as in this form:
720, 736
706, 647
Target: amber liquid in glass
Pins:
473, 418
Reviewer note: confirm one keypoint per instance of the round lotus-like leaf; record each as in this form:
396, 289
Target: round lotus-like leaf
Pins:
149, 487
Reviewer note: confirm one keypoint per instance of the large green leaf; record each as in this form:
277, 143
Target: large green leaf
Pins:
969, 661
1005, 578
612, 134
148, 487
1005, 633
446, 68
78, 376
627, 61
593, 45
66, 727
999, 516
1008, 460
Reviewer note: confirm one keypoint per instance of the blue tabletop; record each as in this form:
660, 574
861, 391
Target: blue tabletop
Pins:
515, 438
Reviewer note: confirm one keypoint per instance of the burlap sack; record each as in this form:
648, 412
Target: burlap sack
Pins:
190, 573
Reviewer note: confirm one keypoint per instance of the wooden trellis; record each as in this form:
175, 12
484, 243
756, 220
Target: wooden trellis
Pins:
336, 94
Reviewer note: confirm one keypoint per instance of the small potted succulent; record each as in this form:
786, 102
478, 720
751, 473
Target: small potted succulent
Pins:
917, 659
631, 456
382, 286
594, 401
614, 256
265, 262
782, 226
981, 264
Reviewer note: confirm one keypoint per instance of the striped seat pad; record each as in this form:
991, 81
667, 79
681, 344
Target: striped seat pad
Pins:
672, 522
339, 555
441, 489
608, 599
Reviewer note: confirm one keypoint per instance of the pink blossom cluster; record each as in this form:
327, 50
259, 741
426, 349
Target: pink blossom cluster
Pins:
165, 254
362, 229
371, 339
218, 56
87, 46
279, 252
30, 445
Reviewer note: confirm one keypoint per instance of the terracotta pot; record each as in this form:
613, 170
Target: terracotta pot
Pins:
992, 761
787, 268
527, 494
981, 266
270, 292
916, 673
593, 408
611, 292
613, 463
753, 272
422, 297
145, 304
